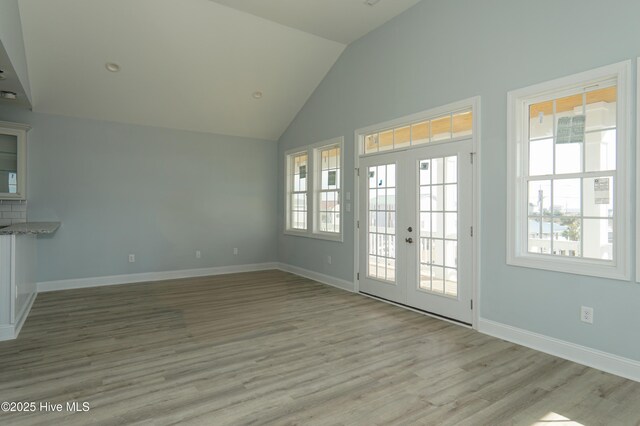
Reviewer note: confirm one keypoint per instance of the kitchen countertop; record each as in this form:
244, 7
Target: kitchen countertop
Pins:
30, 228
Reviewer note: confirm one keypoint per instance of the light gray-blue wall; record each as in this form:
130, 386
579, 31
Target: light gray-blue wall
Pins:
159, 193
13, 42
442, 51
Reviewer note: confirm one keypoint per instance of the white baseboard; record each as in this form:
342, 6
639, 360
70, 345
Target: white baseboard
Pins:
620, 366
7, 332
317, 276
22, 316
150, 276
11, 331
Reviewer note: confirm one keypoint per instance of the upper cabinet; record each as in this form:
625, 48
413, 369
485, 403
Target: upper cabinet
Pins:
13, 161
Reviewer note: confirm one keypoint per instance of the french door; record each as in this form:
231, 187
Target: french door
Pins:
415, 228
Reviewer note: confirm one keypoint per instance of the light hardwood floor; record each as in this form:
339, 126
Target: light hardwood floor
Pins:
273, 348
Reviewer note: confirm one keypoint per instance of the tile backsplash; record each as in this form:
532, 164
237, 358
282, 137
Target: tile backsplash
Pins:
12, 211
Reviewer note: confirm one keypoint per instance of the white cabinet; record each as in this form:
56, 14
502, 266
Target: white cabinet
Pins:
18, 286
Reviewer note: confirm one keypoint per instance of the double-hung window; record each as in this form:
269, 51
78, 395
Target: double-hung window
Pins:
314, 190
297, 212
567, 174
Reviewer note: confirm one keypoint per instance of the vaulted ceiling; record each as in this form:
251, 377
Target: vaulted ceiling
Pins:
189, 64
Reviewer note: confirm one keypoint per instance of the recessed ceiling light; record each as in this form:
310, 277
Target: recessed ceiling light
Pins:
257, 94
371, 2
112, 66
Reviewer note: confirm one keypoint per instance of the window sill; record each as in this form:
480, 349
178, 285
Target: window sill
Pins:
587, 267
318, 236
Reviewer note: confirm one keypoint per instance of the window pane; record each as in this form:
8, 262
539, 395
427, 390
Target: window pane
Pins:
437, 170
462, 124
437, 283
385, 142
541, 120
391, 269
437, 198
371, 143
402, 137
420, 133
425, 224
539, 235
540, 197
451, 254
566, 235
437, 225
451, 197
425, 198
569, 106
597, 241
441, 128
566, 197
598, 197
425, 250
601, 108
600, 150
437, 253
451, 225
541, 157
451, 169
391, 175
568, 158
425, 172
425, 277
382, 177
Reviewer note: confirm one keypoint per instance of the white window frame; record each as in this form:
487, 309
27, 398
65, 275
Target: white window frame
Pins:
517, 144
289, 155
317, 184
313, 185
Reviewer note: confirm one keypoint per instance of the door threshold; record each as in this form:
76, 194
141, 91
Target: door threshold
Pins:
418, 310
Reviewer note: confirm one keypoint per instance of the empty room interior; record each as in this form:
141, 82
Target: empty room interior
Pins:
337, 212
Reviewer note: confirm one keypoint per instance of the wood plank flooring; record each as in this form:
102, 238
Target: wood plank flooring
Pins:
274, 348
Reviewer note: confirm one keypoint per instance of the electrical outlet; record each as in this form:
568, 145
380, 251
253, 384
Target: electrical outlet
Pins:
586, 314
198, 254
329, 260
235, 251
132, 258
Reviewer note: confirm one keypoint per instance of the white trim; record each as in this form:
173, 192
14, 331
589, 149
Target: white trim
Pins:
7, 332
317, 276
24, 313
11, 331
150, 276
637, 172
475, 104
614, 364
516, 253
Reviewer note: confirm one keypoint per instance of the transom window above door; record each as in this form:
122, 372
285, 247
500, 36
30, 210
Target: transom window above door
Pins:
446, 127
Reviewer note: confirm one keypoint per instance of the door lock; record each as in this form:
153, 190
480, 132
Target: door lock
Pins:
409, 240
410, 229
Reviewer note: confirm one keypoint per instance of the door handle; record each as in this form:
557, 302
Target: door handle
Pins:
409, 240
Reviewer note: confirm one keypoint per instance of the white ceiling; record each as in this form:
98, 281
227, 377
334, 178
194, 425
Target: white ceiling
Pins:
343, 21
188, 64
